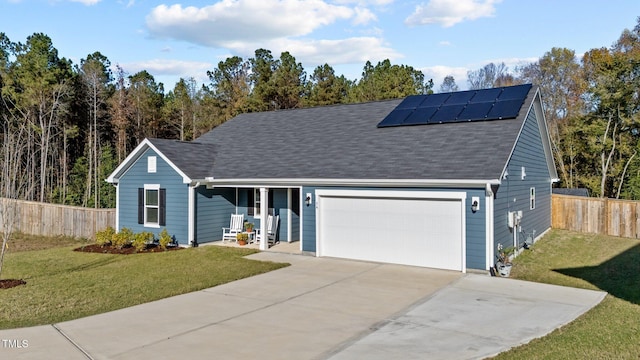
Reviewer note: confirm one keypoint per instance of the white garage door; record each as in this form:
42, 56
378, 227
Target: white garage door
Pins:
410, 228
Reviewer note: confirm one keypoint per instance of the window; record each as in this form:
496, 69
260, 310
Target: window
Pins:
256, 202
532, 198
151, 205
151, 164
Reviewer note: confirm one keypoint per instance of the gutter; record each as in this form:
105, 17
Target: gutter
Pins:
275, 182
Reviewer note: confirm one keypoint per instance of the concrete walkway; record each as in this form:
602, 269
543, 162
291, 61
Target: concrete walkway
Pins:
317, 308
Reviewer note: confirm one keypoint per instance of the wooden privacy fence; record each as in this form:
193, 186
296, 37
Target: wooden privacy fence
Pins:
51, 219
596, 216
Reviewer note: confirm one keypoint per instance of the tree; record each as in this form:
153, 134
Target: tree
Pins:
230, 87
146, 103
325, 88
12, 180
40, 89
263, 65
559, 76
179, 108
121, 113
613, 101
386, 81
288, 81
448, 84
491, 75
96, 77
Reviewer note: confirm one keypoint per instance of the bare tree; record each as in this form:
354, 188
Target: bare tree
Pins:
13, 180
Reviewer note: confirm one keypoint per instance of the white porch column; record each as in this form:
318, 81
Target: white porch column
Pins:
117, 224
289, 203
264, 213
191, 214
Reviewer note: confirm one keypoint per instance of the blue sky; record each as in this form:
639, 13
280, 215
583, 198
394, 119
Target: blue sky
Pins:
172, 39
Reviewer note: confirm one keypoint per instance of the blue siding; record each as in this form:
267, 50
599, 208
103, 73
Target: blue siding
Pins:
513, 193
213, 212
177, 197
279, 207
295, 216
475, 222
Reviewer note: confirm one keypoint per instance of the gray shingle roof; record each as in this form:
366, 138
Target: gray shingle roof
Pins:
193, 158
343, 142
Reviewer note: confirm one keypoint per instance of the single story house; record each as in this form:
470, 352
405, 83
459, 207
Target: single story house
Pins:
429, 180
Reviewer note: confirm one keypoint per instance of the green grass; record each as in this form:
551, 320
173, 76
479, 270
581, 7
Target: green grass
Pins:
63, 284
611, 330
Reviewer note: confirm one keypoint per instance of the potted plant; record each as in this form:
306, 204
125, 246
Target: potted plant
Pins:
504, 260
242, 238
248, 226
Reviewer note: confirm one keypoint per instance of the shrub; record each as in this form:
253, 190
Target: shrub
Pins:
165, 239
140, 240
105, 236
122, 238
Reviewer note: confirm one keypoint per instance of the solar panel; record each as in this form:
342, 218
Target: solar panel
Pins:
421, 115
434, 100
486, 95
473, 105
395, 117
461, 97
477, 111
515, 92
411, 102
505, 109
447, 113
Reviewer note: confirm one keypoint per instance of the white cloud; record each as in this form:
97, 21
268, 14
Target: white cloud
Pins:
444, 43
242, 26
459, 73
439, 72
173, 68
228, 23
450, 12
363, 16
312, 53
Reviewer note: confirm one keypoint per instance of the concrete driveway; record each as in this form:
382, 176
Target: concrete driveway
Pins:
318, 308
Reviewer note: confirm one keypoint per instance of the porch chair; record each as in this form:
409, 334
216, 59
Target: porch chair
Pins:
235, 227
272, 229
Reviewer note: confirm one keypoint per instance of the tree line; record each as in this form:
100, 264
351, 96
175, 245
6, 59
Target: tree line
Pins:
66, 126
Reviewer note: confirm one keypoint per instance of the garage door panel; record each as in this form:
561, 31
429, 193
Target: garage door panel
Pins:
421, 232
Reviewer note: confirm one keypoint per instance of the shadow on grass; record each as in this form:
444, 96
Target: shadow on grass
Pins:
619, 276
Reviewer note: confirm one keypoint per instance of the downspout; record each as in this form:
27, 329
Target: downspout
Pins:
489, 226
191, 215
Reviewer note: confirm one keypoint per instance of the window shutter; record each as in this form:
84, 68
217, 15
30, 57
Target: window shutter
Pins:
163, 208
140, 205
270, 203
250, 202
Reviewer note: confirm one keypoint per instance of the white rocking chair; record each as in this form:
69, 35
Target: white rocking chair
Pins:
236, 226
272, 229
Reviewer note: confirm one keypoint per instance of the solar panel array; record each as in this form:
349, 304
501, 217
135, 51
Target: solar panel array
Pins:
472, 105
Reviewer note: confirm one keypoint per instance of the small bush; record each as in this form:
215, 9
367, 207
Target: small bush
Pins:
140, 240
122, 238
104, 237
165, 239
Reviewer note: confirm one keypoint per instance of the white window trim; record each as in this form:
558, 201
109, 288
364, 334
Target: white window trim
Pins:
152, 162
157, 188
532, 198
256, 203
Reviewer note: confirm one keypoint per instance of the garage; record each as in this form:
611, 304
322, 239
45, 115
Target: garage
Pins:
400, 227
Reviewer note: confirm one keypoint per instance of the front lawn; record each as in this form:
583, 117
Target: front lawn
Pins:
611, 330
63, 284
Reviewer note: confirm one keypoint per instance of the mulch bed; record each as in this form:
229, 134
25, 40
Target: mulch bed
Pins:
95, 248
9, 283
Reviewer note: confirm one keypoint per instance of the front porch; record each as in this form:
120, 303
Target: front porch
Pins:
279, 247
214, 205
